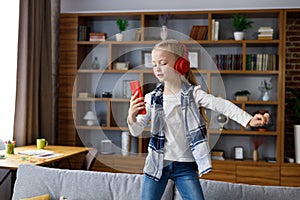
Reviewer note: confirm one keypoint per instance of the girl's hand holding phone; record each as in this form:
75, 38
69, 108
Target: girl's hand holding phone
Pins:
137, 104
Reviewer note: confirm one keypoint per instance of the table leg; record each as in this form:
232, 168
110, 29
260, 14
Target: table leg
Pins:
13, 180
5, 177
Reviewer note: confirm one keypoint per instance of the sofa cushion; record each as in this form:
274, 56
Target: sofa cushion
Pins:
77, 184
216, 190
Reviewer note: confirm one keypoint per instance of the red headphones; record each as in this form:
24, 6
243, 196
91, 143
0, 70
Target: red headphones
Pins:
182, 64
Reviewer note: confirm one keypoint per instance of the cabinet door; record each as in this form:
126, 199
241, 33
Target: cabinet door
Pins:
258, 174
290, 176
222, 172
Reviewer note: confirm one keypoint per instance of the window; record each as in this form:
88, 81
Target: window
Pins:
9, 20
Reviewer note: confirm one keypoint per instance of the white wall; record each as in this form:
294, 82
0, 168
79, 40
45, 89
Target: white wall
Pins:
168, 5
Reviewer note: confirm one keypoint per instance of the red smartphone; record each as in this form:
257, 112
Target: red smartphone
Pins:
136, 86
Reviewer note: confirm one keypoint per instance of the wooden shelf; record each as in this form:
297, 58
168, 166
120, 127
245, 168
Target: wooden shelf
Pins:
74, 53
245, 162
242, 132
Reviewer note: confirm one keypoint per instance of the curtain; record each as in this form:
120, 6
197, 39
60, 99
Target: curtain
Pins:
37, 72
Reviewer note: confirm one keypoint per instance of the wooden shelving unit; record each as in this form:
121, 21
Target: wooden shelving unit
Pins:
76, 76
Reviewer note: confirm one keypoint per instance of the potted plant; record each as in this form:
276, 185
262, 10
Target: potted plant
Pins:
122, 25
294, 104
242, 95
240, 23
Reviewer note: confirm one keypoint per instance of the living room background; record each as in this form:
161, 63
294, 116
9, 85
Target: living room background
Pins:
157, 5
139, 6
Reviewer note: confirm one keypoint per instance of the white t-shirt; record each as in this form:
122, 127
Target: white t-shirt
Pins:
176, 146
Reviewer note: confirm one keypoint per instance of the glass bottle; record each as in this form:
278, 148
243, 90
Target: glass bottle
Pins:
95, 63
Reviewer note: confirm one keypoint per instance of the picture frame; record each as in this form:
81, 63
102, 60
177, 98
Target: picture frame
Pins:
193, 58
238, 153
147, 59
126, 88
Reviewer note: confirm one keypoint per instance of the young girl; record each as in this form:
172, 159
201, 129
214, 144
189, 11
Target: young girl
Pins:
178, 146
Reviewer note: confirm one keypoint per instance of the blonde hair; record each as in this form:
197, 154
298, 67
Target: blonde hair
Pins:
179, 50
172, 46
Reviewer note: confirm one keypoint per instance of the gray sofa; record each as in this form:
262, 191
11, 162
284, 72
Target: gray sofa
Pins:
76, 185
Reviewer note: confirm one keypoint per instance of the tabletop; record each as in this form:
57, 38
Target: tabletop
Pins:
12, 161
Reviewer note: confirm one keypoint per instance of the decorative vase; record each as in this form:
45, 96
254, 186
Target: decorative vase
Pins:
119, 37
238, 35
164, 32
255, 155
266, 96
297, 143
125, 143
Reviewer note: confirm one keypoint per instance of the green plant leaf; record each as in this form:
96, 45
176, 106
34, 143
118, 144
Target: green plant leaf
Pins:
122, 24
240, 22
242, 93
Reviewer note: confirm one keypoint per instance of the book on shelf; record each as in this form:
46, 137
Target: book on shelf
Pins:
265, 37
265, 33
97, 37
198, 32
261, 62
84, 95
212, 29
83, 33
229, 61
215, 29
266, 29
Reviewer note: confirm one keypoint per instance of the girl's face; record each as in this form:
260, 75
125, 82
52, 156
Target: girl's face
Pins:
163, 65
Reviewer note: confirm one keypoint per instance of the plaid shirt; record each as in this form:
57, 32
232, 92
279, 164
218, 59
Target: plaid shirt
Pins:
195, 131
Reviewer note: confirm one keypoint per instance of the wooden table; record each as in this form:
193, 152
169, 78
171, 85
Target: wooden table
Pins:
11, 162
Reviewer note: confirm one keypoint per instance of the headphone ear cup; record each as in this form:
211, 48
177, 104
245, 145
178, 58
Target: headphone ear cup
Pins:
182, 65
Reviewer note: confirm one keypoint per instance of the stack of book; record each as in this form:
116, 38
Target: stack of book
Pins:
265, 33
198, 32
98, 37
217, 155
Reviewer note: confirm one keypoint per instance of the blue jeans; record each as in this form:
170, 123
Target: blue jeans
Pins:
184, 176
